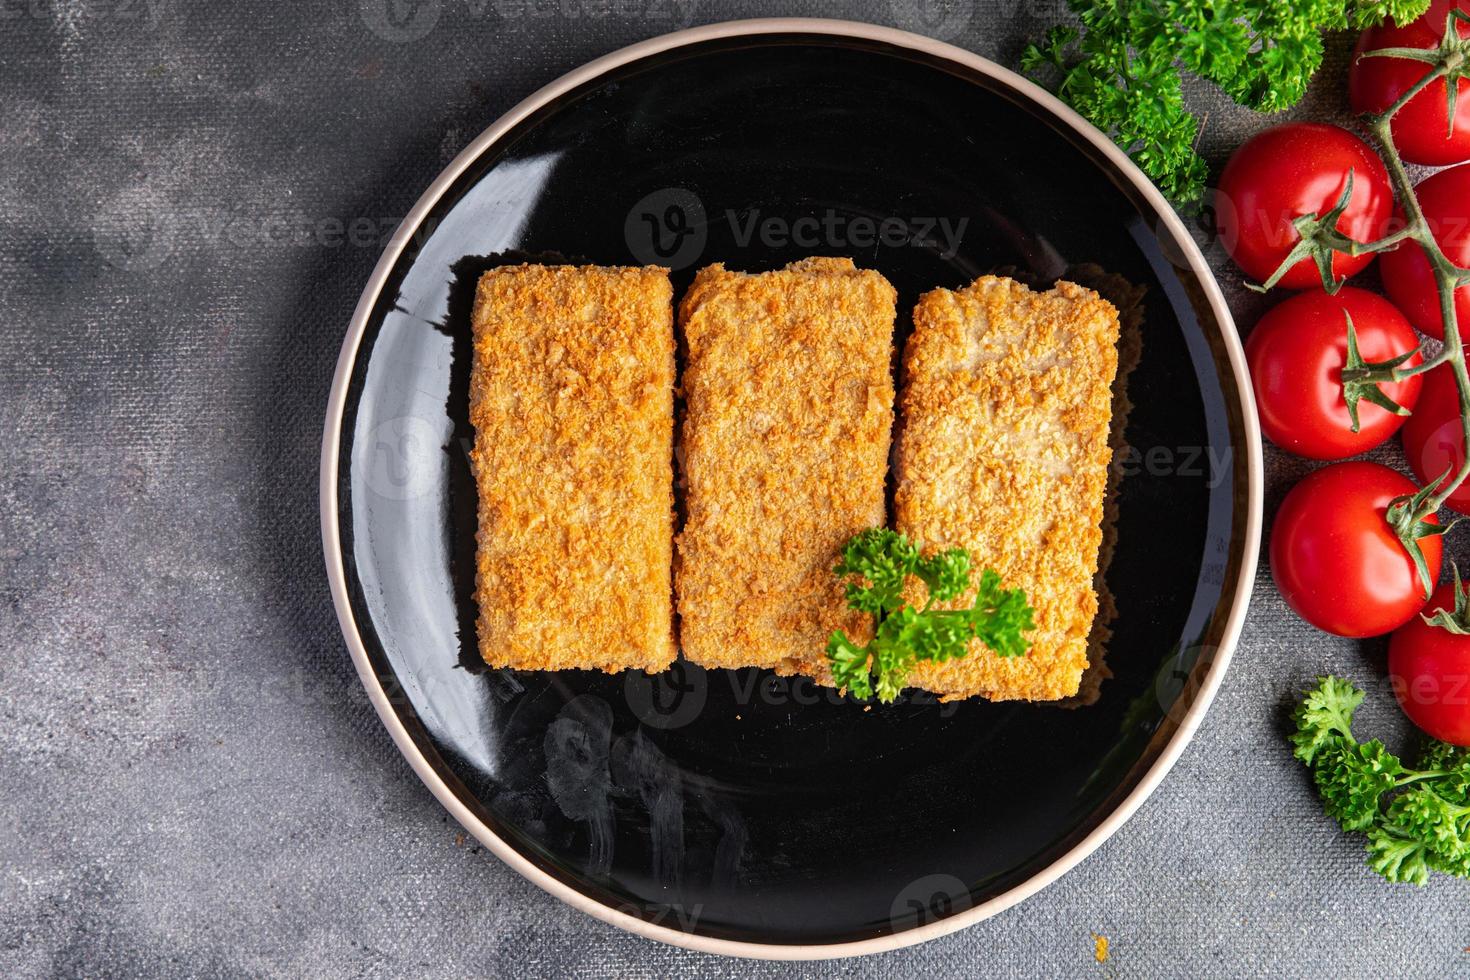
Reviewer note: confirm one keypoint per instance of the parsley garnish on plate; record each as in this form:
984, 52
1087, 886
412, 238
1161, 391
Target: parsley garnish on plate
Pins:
877, 563
1417, 820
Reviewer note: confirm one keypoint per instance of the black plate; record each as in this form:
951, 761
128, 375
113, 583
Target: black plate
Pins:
736, 805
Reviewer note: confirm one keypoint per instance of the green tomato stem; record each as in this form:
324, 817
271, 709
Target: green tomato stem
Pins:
1381, 245
1394, 375
1447, 276
1438, 71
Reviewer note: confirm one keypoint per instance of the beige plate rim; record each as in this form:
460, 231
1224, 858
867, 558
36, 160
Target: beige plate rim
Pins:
331, 537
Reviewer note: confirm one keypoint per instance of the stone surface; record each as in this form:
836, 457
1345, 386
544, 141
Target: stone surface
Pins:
193, 782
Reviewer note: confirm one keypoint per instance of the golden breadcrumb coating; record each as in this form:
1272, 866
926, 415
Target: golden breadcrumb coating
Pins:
1128, 298
571, 397
1004, 451
784, 450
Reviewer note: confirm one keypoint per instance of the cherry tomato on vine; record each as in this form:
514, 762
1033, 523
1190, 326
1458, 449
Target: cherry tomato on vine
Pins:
1335, 559
1420, 129
1429, 668
1434, 442
1289, 171
1407, 275
1296, 354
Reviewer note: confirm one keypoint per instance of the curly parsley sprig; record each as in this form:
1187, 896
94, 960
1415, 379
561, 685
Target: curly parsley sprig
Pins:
1121, 67
1417, 820
877, 563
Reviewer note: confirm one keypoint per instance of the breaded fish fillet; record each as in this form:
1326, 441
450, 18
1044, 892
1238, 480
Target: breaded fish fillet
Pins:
785, 450
1004, 451
571, 397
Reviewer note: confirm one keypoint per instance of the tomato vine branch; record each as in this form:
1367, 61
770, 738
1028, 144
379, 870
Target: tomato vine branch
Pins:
1319, 238
1446, 274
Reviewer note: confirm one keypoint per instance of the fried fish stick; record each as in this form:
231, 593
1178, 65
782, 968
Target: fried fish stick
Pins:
1003, 450
571, 397
785, 450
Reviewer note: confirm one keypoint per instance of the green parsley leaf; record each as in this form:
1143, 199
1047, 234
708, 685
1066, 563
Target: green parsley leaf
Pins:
1000, 616
877, 563
1454, 763
1416, 820
885, 558
946, 573
1423, 814
1121, 66
849, 664
1325, 717
1397, 857
1442, 755
1351, 778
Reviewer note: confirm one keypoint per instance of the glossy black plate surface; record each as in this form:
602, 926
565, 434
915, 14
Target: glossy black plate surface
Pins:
738, 805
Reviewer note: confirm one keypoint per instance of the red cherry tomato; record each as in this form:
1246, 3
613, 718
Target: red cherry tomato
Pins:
1421, 128
1335, 559
1434, 443
1296, 355
1429, 668
1289, 171
1407, 276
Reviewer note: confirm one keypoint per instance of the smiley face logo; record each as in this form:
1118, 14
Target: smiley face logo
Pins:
671, 699
943, 20
667, 227
400, 21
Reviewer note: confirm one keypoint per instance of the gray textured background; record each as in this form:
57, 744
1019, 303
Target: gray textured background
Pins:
192, 781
